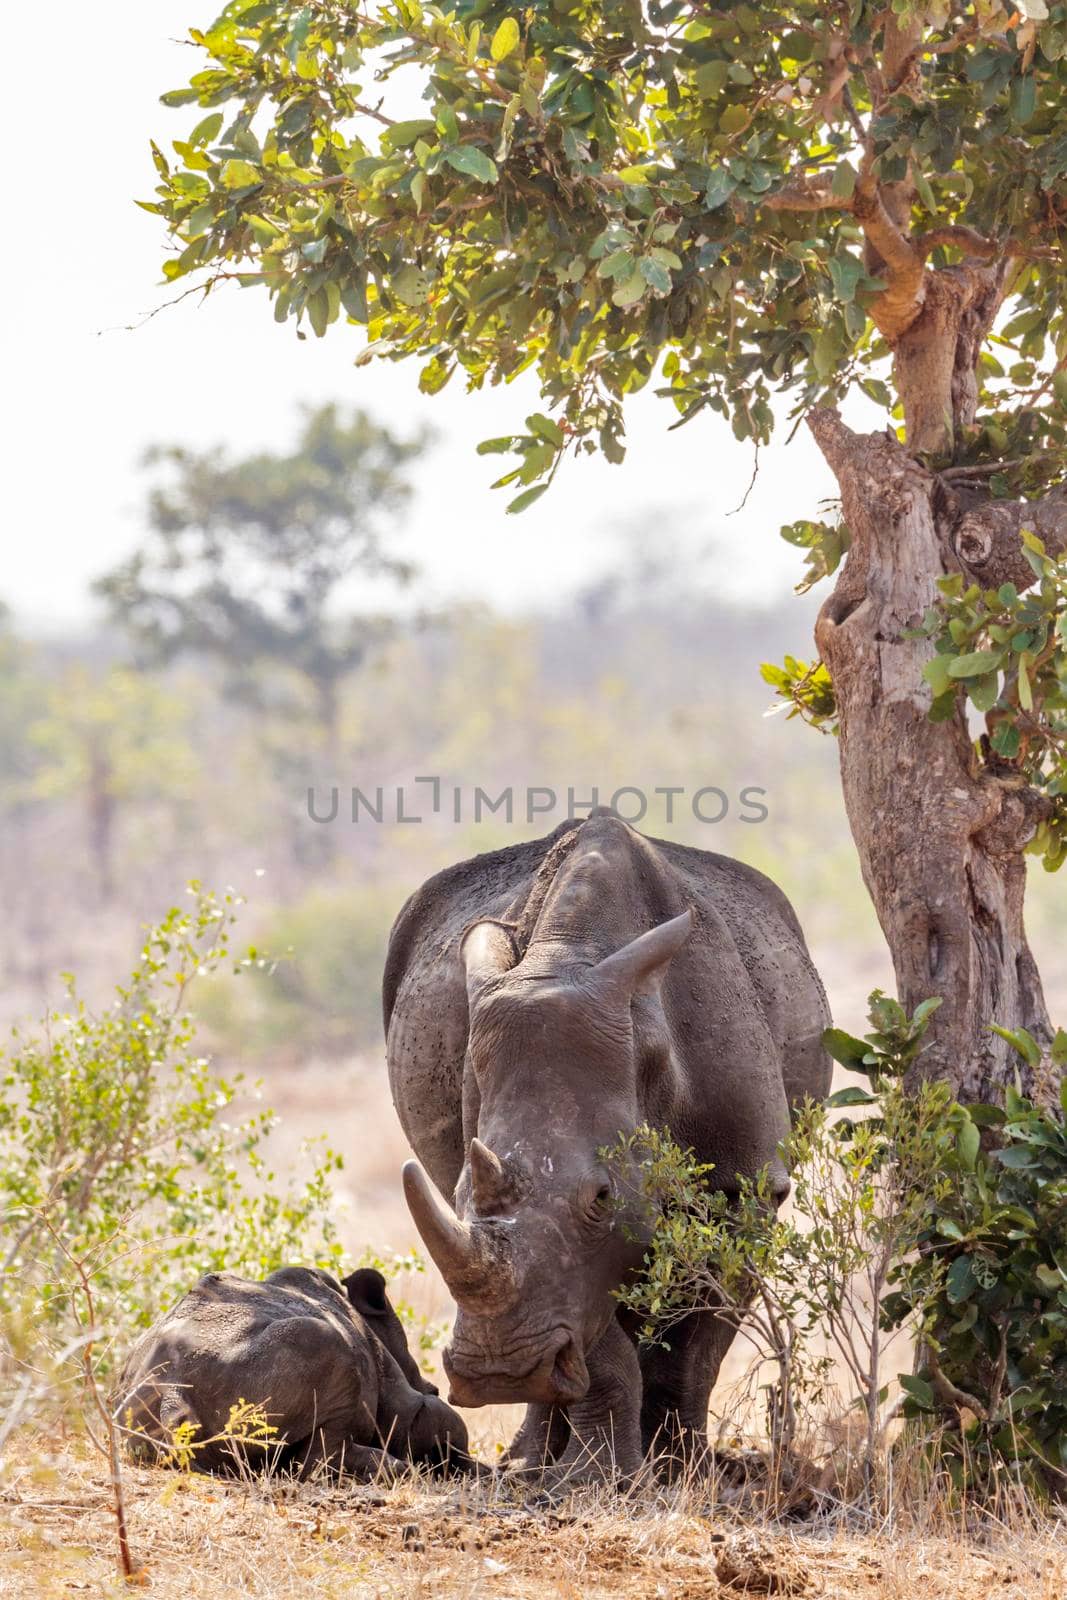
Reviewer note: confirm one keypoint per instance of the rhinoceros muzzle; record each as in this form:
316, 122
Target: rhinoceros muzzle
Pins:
559, 1377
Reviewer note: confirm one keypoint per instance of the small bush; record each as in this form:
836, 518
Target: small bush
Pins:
911, 1212
116, 1150
322, 993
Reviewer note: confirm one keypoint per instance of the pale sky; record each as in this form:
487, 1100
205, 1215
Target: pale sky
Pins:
86, 398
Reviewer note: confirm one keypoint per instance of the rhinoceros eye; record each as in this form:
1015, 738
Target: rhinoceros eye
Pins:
595, 1197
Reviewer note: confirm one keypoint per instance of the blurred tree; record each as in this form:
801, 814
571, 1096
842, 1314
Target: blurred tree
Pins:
21, 699
731, 200
113, 739
248, 560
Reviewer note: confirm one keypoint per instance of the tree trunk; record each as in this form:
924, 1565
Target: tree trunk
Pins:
940, 836
100, 804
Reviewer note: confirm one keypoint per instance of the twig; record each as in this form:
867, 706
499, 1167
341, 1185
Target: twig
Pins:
946, 1390
742, 503
112, 1446
981, 469
852, 114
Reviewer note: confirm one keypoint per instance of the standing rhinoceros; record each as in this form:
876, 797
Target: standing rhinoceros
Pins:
541, 1001
326, 1364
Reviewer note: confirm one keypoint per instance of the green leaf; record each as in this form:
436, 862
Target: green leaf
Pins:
974, 665
412, 285
986, 1116
505, 40
846, 272
919, 1390
1022, 1040
735, 119
318, 308
630, 290
403, 134
1026, 694
710, 79
720, 186
545, 428
1006, 740
960, 1281
826, 352
923, 189
472, 162
239, 175
843, 184
851, 1096
1023, 98
638, 174
937, 675
354, 298
984, 692
265, 231
527, 498
619, 264
1017, 1157
844, 1047
968, 1143
207, 129
655, 274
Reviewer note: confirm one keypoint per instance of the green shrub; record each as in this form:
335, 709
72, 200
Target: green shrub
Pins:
985, 1289
322, 992
991, 1285
914, 1213
117, 1150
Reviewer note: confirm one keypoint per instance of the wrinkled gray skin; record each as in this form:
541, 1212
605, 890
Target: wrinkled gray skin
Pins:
541, 1001
328, 1364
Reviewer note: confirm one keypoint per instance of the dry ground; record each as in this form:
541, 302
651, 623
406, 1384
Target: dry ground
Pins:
197, 1537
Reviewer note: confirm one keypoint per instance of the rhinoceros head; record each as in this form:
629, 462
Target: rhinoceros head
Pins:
561, 1058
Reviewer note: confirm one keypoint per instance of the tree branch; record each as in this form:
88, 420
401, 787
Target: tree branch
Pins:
948, 1393
837, 442
805, 194
969, 240
984, 534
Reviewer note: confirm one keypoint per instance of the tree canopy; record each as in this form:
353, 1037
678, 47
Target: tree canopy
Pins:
731, 200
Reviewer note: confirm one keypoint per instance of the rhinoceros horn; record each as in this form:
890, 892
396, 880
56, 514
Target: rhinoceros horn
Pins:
639, 966
488, 1184
473, 1267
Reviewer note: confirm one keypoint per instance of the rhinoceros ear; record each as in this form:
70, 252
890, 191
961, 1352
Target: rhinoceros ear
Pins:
487, 950
639, 966
366, 1291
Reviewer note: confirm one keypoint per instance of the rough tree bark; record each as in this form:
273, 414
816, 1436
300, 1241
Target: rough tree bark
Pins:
940, 834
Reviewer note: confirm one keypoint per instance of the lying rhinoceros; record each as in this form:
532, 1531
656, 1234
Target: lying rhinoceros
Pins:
326, 1364
541, 1001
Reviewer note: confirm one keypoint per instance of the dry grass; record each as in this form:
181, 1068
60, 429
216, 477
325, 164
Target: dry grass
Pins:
197, 1537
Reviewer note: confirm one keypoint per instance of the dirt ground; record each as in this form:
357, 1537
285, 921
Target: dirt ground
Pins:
194, 1537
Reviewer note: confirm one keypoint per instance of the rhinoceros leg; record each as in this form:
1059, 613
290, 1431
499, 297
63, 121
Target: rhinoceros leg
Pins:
333, 1451
605, 1426
677, 1385
542, 1439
